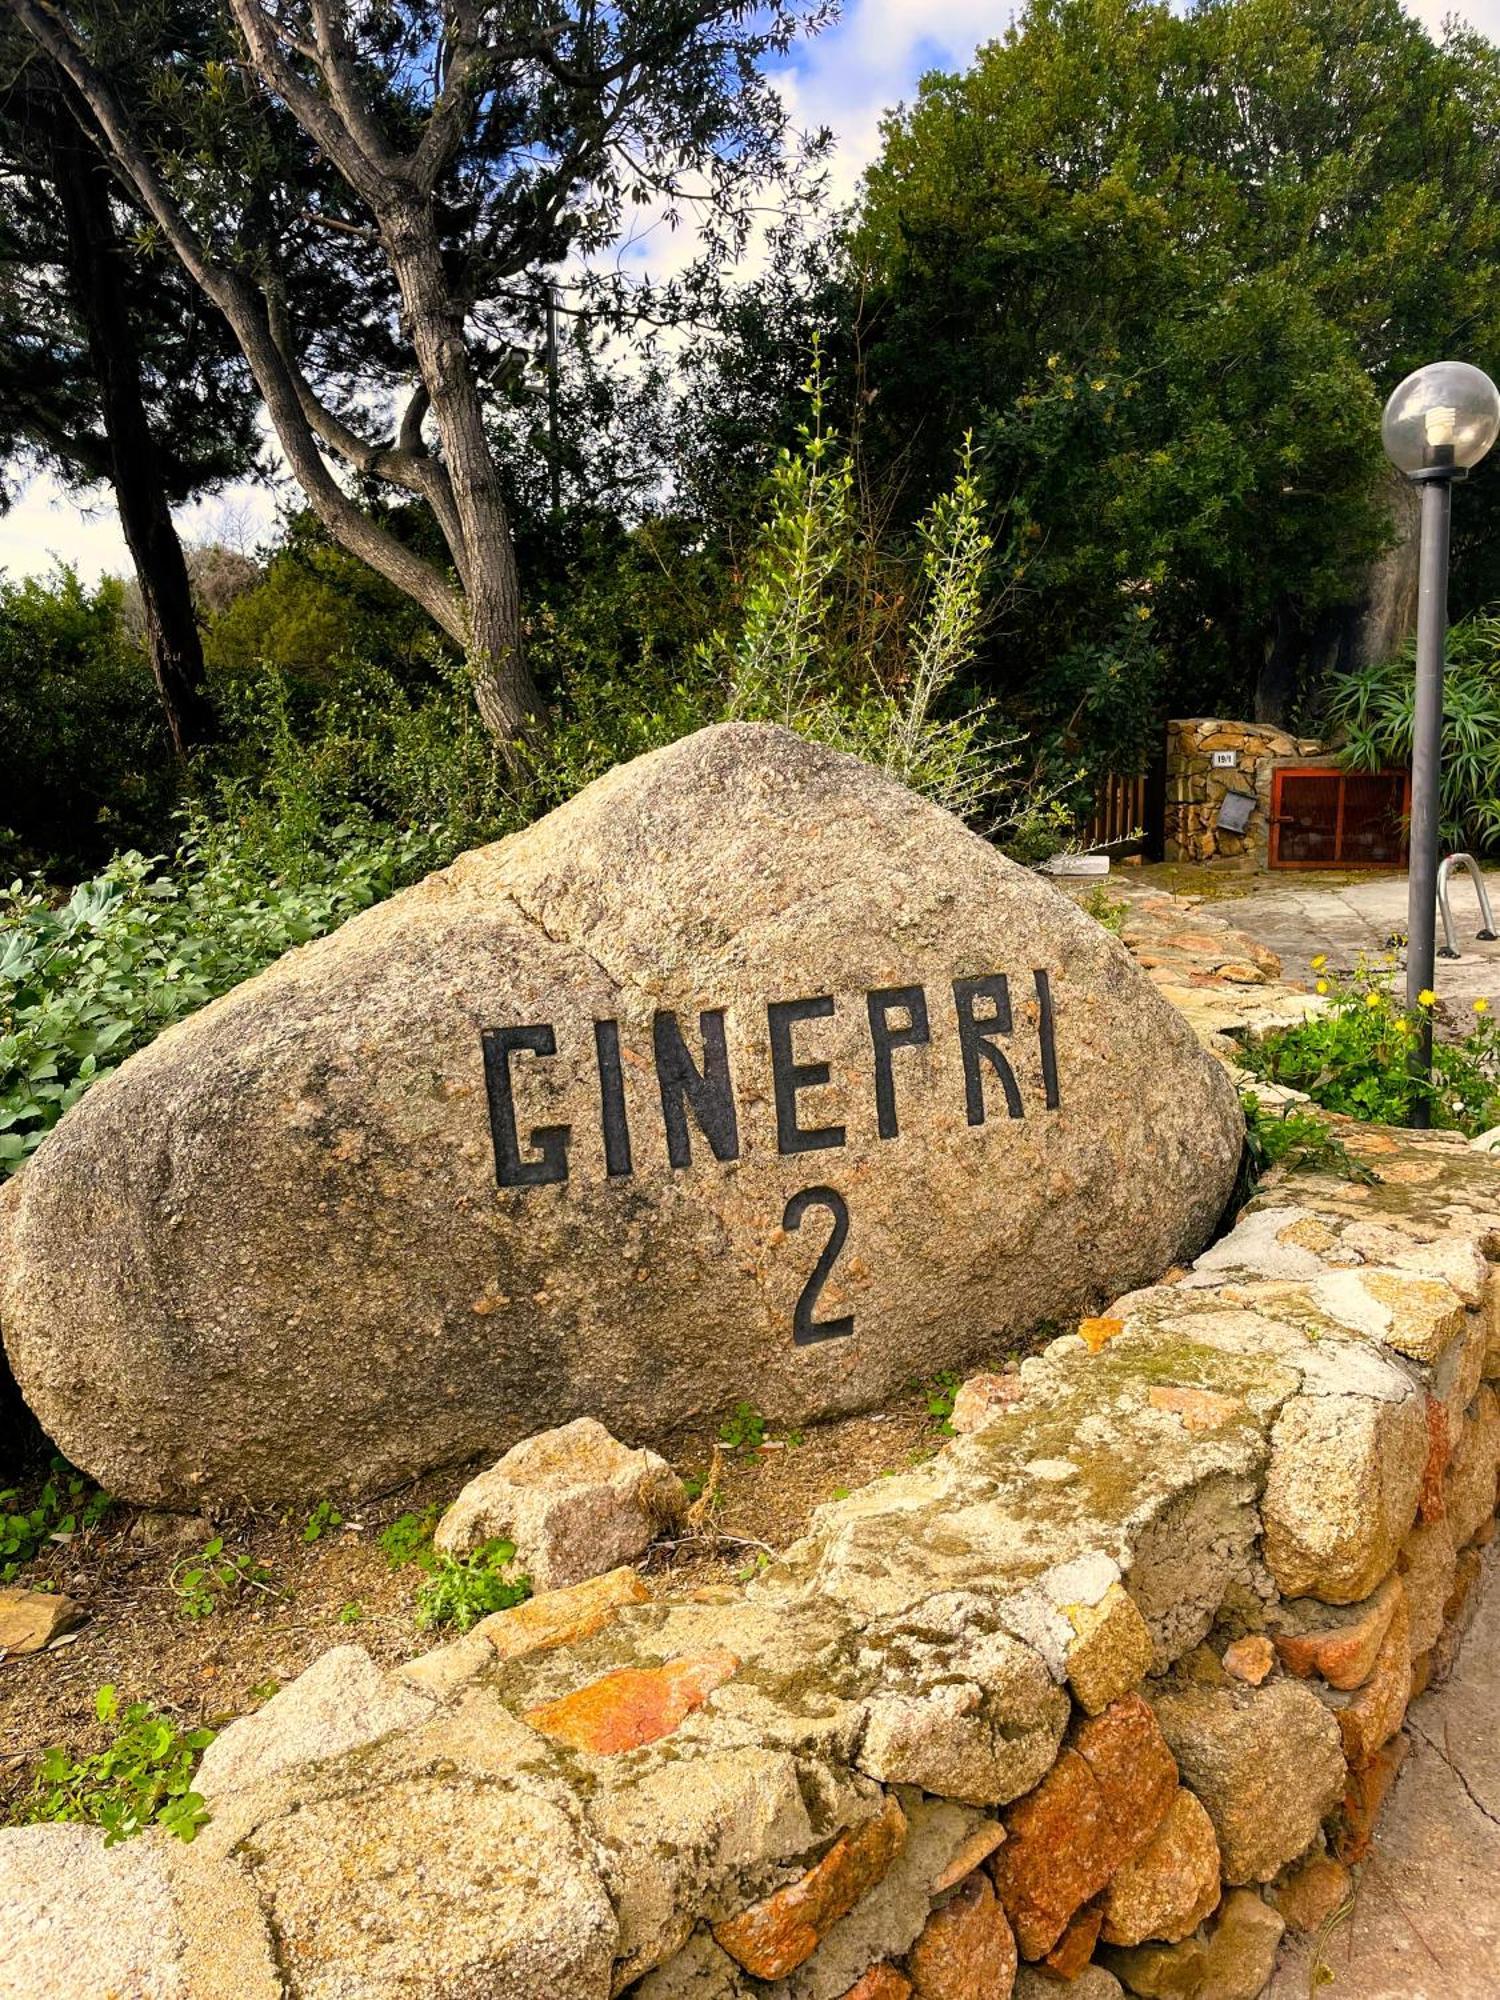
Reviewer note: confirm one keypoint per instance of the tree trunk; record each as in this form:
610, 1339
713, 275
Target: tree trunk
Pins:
93, 253
1276, 682
508, 699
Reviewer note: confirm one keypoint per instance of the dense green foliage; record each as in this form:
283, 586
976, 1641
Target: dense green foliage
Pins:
1165, 265
84, 984
328, 797
1091, 433
143, 1777
85, 762
1372, 708
1356, 1058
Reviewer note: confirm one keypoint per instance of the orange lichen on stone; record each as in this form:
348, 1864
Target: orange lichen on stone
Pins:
1430, 1502
1098, 1806
773, 1937
633, 1706
1199, 1409
1075, 1947
881, 1982
1344, 1653
1378, 1709
1250, 1659
559, 1617
1167, 1889
1098, 1333
965, 1950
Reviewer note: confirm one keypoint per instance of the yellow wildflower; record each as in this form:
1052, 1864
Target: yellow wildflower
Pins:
1481, 1006
1322, 985
1403, 1026
1372, 999
1426, 998
1320, 961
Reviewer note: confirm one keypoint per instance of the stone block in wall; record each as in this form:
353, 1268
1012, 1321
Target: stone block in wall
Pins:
1267, 1764
1470, 1483
1427, 1563
1338, 1643
1097, 1807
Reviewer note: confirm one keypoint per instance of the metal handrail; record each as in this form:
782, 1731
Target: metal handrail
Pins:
1487, 935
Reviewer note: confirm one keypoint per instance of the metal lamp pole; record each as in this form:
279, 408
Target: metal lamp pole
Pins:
1438, 424
1426, 776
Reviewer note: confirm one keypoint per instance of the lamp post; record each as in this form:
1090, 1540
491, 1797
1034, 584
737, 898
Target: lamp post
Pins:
1437, 425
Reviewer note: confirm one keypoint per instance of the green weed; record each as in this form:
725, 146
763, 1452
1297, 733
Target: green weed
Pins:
324, 1517
66, 1505
408, 1538
744, 1430
460, 1590
213, 1579
939, 1393
142, 1778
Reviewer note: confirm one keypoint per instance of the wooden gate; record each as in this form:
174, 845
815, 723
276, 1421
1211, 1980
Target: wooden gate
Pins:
1323, 817
1119, 812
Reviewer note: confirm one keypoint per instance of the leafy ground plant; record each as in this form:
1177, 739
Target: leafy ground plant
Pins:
460, 1590
143, 1777
408, 1538
84, 985
744, 1429
66, 1505
1293, 1137
323, 1518
940, 1392
1355, 1058
214, 1577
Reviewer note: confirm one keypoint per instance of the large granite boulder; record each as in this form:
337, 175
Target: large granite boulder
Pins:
745, 1074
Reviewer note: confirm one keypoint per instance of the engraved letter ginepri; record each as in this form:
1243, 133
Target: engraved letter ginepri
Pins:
550, 1141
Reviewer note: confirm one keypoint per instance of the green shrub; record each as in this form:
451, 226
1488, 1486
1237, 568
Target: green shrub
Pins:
142, 1778
84, 985
865, 644
85, 760
1373, 707
460, 1590
314, 608
1355, 1058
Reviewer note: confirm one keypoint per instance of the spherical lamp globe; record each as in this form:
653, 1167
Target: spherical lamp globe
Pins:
1441, 420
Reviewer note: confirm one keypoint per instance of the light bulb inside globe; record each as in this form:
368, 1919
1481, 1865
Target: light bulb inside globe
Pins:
1441, 421
1440, 424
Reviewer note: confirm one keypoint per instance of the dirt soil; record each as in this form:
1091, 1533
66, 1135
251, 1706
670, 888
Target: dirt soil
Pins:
341, 1589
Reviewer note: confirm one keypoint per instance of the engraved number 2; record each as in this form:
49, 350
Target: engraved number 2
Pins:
806, 1329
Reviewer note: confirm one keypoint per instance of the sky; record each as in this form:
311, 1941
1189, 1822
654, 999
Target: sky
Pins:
846, 79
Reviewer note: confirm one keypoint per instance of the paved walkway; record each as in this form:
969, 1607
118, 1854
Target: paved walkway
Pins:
1426, 1925
1346, 917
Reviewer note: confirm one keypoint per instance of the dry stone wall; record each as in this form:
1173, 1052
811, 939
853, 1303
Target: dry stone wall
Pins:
1197, 787
1109, 1690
